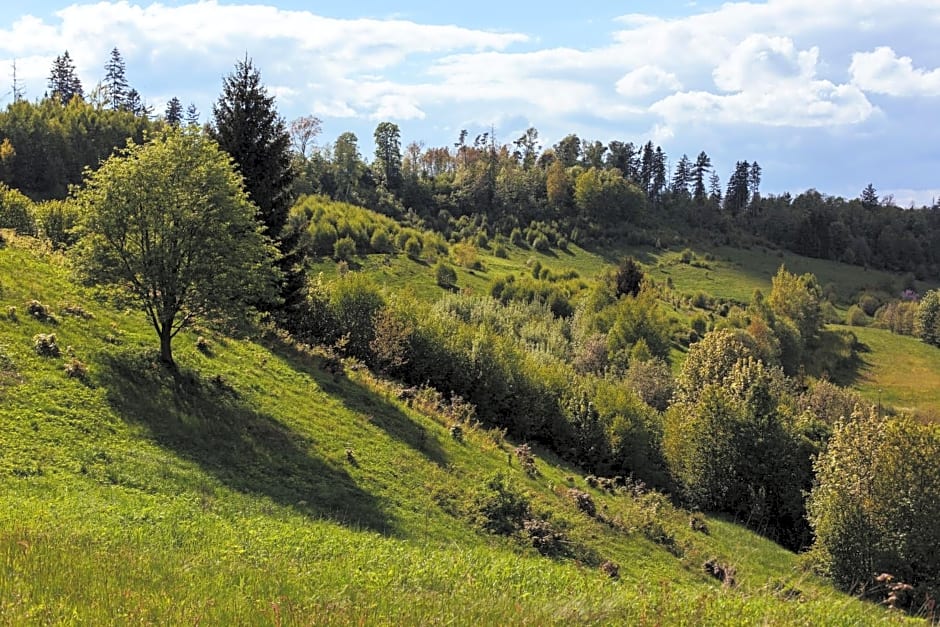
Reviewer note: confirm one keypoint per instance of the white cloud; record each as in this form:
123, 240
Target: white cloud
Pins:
764, 61
645, 81
883, 72
915, 197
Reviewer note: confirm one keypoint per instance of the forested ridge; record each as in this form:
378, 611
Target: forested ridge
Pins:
730, 406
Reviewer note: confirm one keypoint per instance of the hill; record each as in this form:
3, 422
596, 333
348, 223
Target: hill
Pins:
262, 484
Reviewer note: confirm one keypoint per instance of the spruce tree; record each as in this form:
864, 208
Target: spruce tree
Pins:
115, 83
703, 165
247, 126
174, 112
192, 115
63, 80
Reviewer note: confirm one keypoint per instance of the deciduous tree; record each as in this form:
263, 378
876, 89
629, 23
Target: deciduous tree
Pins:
169, 222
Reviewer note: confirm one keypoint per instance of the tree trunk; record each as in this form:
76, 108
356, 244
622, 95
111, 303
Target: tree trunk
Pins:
166, 351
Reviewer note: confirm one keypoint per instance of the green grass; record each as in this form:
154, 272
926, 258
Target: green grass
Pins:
254, 487
899, 371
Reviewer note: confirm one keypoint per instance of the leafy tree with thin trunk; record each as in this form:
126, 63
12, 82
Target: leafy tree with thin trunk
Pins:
169, 222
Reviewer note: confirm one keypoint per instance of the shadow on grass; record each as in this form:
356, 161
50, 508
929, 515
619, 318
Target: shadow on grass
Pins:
838, 358
357, 398
203, 420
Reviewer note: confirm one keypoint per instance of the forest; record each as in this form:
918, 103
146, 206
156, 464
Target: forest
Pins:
730, 406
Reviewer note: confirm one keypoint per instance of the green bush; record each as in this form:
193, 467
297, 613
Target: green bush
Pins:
16, 211
381, 242
541, 243
856, 317
869, 304
876, 504
56, 221
500, 252
499, 507
344, 249
354, 302
412, 247
46, 345
445, 275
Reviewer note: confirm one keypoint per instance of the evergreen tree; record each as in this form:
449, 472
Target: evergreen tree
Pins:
682, 177
714, 189
568, 150
703, 165
659, 172
647, 161
174, 112
63, 80
248, 127
622, 156
135, 104
737, 195
115, 83
192, 115
869, 197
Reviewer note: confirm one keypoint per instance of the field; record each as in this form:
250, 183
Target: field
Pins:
257, 487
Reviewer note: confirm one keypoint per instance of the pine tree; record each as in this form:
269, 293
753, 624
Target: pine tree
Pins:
737, 195
192, 115
869, 197
135, 104
174, 112
703, 165
681, 177
659, 172
115, 83
63, 80
646, 168
714, 188
248, 127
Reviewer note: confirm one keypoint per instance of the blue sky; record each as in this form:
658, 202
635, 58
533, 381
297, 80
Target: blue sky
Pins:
829, 94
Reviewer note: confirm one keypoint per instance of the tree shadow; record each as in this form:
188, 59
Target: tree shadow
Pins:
204, 420
839, 358
358, 398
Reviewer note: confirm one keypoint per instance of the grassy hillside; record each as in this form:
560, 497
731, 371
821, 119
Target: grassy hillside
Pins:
257, 487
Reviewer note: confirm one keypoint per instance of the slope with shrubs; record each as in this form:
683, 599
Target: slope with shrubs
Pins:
265, 482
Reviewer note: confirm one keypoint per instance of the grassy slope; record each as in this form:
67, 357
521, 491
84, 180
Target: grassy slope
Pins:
227, 496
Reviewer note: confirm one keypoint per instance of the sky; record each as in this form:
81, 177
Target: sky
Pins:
824, 94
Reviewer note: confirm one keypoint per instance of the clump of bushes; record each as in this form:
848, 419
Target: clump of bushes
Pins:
583, 501
46, 345
76, 369
445, 275
39, 311
344, 249
526, 459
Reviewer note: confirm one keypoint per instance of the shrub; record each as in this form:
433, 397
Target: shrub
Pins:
390, 345
628, 277
46, 345
413, 247
56, 221
354, 301
78, 311
856, 317
39, 311
583, 501
876, 504
500, 252
464, 254
526, 459
203, 345
869, 304
687, 256
344, 249
381, 242
456, 432
516, 238
541, 243
16, 211
544, 537
499, 507
76, 369
445, 275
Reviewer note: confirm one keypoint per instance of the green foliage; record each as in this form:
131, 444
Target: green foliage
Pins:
169, 222
899, 317
354, 302
413, 247
628, 277
927, 319
56, 220
798, 299
445, 275
46, 344
876, 502
16, 211
344, 249
247, 126
380, 241
856, 317
500, 507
